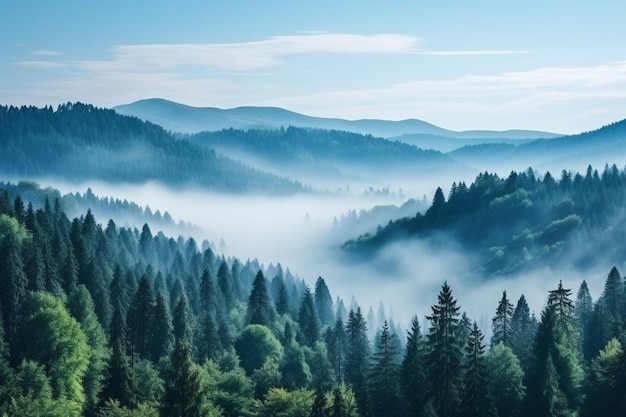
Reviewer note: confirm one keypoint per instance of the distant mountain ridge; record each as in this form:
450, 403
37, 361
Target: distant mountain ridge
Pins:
187, 119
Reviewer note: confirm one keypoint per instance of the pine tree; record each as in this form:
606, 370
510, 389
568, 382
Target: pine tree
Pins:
138, 319
383, 377
445, 354
307, 319
323, 303
584, 311
505, 379
476, 401
413, 371
14, 281
224, 281
183, 391
160, 333
337, 346
120, 384
260, 309
357, 357
501, 322
283, 303
524, 328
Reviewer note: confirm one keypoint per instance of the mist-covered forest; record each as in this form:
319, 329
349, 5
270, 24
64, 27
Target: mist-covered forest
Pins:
102, 320
521, 222
80, 142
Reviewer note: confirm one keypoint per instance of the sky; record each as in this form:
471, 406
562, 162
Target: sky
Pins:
557, 66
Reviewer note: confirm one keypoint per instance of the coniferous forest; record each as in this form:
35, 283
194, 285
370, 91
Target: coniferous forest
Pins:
102, 320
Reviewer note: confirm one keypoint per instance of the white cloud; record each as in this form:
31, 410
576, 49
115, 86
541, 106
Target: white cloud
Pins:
43, 52
40, 64
261, 54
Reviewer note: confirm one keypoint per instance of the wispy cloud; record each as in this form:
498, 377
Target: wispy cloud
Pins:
41, 64
245, 56
473, 52
44, 52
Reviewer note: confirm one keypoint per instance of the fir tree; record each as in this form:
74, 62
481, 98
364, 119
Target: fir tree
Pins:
307, 319
260, 309
323, 303
445, 354
501, 322
357, 357
160, 336
413, 371
383, 377
476, 401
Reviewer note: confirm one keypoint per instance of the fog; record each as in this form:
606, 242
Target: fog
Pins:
298, 232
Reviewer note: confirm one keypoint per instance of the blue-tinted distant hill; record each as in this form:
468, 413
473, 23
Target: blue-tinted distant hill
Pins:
299, 151
79, 142
597, 147
186, 119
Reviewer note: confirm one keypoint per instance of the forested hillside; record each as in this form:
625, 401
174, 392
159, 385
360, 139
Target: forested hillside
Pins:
109, 321
79, 142
302, 146
522, 221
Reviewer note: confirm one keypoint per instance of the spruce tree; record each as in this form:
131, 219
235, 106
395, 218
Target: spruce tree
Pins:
584, 311
283, 302
337, 347
383, 385
183, 389
524, 328
445, 354
413, 378
323, 303
138, 319
160, 333
476, 401
260, 309
501, 322
120, 384
357, 357
307, 319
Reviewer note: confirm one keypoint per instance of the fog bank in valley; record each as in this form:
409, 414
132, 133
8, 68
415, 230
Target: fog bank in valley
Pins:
298, 232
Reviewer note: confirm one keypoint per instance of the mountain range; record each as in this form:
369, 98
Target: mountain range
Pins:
187, 119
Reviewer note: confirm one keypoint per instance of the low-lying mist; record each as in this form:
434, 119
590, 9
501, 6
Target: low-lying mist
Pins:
298, 232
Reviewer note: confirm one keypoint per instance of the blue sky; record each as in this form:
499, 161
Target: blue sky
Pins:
558, 66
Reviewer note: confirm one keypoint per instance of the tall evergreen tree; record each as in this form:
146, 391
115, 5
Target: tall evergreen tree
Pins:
307, 319
413, 378
323, 303
445, 354
584, 311
160, 333
120, 383
383, 385
13, 282
260, 309
357, 357
524, 328
183, 390
138, 319
337, 346
225, 283
476, 401
283, 302
501, 322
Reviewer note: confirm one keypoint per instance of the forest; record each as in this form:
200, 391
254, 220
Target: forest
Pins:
107, 321
80, 142
520, 222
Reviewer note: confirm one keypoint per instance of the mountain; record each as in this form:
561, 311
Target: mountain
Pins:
519, 223
296, 152
79, 142
186, 119
449, 144
604, 145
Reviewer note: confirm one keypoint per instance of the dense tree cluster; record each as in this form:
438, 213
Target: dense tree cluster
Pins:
79, 142
533, 221
113, 321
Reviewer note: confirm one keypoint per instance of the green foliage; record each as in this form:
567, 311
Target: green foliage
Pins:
308, 320
113, 408
260, 308
81, 307
445, 354
255, 345
323, 303
501, 323
357, 358
279, 402
413, 372
505, 379
476, 401
54, 339
383, 386
341, 402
